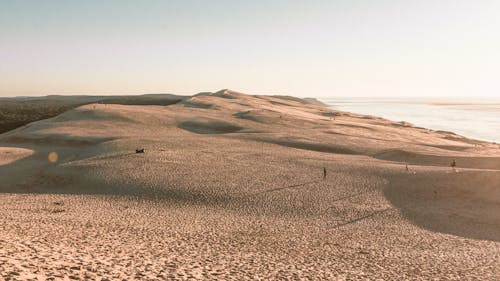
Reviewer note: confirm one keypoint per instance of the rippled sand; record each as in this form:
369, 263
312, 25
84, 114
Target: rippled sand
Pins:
231, 187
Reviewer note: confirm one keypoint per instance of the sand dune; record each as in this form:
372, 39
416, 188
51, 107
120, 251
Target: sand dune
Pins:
403, 156
11, 154
208, 126
446, 202
231, 187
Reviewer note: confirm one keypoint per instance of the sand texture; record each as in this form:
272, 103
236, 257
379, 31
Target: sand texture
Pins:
231, 187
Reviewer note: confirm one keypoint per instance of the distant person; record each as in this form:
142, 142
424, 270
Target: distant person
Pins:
453, 164
324, 173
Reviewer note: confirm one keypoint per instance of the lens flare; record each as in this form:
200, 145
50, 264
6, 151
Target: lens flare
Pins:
53, 157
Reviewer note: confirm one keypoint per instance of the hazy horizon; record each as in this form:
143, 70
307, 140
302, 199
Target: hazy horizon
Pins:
339, 98
426, 49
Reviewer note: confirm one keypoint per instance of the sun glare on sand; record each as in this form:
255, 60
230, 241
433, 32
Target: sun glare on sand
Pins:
53, 157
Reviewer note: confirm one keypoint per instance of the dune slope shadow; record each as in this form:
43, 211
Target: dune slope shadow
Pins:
465, 204
57, 139
34, 175
208, 126
319, 147
437, 160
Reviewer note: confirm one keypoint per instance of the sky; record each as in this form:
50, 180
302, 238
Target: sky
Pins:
350, 48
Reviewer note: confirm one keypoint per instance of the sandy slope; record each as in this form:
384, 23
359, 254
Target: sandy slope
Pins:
231, 187
11, 154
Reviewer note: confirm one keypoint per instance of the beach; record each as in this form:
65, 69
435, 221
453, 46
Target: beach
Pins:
245, 187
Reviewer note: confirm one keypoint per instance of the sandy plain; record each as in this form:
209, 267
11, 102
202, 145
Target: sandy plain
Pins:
231, 187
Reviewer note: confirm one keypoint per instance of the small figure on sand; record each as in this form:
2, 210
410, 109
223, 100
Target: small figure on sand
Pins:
139, 150
324, 173
407, 169
453, 165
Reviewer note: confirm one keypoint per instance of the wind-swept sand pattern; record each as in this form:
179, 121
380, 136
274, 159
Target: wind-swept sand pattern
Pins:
231, 187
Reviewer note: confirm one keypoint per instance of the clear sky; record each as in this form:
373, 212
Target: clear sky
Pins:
304, 48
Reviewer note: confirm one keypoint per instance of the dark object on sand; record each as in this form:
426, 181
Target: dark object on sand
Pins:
324, 173
141, 150
453, 163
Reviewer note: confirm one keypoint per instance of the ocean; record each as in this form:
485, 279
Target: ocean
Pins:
478, 119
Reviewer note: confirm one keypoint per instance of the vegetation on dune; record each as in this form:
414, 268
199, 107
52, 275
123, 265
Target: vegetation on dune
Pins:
16, 112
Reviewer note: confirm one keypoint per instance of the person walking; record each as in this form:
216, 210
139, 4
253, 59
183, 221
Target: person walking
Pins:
324, 173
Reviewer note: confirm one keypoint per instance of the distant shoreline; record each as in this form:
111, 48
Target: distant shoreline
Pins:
471, 119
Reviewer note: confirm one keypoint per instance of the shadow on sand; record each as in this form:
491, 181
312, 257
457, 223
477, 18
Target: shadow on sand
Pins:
36, 175
465, 204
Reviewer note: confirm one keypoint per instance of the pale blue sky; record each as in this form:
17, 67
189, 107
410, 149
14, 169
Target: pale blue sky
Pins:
303, 48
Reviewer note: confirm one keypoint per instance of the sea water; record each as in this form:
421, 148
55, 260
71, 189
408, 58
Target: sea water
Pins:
479, 119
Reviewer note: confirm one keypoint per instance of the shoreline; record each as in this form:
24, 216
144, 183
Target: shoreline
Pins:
361, 107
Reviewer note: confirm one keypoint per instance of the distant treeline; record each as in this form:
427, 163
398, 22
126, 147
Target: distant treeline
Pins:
16, 112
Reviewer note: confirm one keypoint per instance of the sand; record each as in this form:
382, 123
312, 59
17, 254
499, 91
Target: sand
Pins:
231, 187
11, 154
